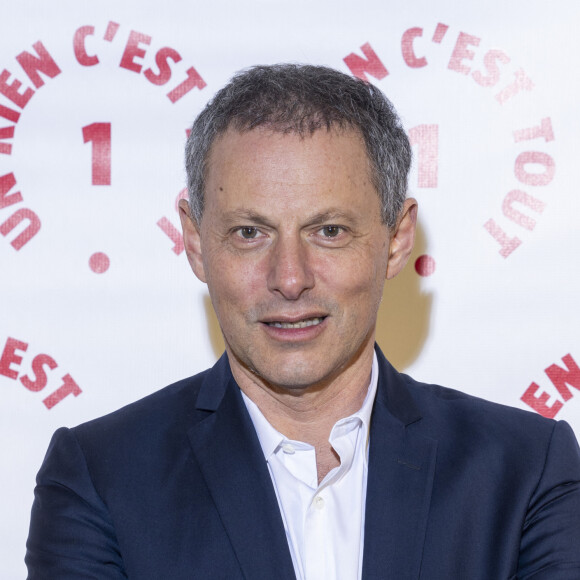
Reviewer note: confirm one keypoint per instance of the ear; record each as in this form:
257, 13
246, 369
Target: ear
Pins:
191, 240
402, 238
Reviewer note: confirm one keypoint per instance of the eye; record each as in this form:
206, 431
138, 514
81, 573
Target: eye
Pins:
248, 232
331, 231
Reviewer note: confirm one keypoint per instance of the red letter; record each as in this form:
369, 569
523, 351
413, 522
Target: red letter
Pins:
508, 245
100, 136
43, 62
161, 58
111, 31
440, 32
132, 51
538, 404
407, 47
7, 182
193, 80
40, 375
6, 133
68, 387
544, 129
30, 231
173, 234
517, 216
79, 46
461, 52
9, 114
535, 178
427, 138
493, 74
561, 377
521, 82
359, 66
9, 357
11, 91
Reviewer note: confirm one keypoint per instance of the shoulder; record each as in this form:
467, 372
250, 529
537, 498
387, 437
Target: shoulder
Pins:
480, 442
148, 437
157, 424
464, 409
443, 409
477, 426
176, 401
465, 421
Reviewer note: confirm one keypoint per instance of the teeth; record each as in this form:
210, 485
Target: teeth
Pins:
299, 324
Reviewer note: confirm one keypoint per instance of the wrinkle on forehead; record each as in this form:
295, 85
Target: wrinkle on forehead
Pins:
275, 168
251, 146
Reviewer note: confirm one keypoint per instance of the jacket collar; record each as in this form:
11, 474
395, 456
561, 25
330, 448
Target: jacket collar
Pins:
400, 480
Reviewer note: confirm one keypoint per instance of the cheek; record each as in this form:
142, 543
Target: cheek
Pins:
356, 276
234, 285
360, 292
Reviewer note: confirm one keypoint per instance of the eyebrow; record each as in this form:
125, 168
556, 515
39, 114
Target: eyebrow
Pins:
332, 215
254, 217
249, 215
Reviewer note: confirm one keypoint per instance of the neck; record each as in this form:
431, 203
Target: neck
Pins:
308, 414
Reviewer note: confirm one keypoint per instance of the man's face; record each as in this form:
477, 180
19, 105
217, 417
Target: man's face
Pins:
294, 253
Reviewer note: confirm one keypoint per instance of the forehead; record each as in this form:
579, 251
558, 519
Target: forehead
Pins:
275, 165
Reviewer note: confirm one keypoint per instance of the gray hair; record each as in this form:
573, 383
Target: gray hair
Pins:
301, 99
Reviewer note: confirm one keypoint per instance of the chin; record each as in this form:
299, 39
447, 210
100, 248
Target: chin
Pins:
295, 377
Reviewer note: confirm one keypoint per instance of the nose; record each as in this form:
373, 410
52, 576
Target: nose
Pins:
290, 273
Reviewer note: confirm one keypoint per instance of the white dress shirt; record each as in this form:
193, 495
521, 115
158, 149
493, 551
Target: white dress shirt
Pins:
324, 523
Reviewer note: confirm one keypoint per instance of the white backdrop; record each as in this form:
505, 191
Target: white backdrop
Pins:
99, 307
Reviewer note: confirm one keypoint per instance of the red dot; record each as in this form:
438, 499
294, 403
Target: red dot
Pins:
425, 265
99, 262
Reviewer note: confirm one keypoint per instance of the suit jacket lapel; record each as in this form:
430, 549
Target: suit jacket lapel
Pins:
233, 465
400, 479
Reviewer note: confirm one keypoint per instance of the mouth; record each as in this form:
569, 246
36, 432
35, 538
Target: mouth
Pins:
315, 321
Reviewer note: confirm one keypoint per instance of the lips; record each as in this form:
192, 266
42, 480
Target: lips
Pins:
315, 321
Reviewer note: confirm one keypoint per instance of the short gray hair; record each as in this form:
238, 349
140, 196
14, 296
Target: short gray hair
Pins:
301, 99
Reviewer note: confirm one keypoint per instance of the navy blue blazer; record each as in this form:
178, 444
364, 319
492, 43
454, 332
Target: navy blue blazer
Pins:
176, 486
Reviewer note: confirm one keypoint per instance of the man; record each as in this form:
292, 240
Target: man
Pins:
302, 453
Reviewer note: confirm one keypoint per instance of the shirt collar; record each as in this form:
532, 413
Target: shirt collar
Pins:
270, 439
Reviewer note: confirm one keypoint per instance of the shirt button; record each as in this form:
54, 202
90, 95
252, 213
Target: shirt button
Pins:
319, 502
287, 448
